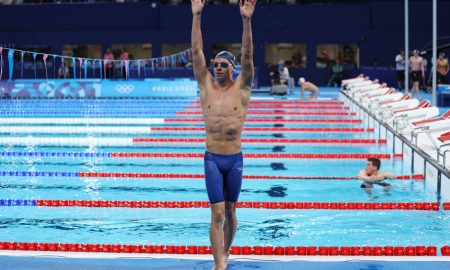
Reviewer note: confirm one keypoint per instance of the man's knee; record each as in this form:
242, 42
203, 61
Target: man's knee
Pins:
218, 214
230, 210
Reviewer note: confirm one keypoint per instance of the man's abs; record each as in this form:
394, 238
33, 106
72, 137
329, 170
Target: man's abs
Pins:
224, 138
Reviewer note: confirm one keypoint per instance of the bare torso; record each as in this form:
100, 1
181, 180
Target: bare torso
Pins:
310, 87
224, 112
416, 63
442, 66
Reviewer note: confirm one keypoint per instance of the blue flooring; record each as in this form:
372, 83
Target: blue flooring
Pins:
38, 263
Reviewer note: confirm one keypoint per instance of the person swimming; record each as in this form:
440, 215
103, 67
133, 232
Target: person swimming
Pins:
371, 175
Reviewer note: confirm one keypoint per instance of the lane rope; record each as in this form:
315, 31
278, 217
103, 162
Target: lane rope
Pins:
271, 129
253, 155
422, 206
271, 120
263, 141
186, 175
196, 155
280, 113
235, 250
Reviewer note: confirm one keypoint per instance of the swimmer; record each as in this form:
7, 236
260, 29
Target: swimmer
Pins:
416, 64
224, 105
372, 176
308, 86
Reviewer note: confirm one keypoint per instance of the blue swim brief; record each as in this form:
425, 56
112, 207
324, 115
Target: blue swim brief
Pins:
223, 176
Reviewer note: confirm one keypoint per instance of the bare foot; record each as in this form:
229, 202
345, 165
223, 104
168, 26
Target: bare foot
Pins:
217, 267
223, 265
225, 261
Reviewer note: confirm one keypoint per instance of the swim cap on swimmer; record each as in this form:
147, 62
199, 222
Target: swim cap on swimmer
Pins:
416, 51
301, 80
227, 55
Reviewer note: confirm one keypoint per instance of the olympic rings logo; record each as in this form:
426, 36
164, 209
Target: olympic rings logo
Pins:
124, 88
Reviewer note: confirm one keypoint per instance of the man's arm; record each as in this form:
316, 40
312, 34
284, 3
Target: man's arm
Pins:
247, 7
422, 65
371, 179
198, 58
388, 175
362, 176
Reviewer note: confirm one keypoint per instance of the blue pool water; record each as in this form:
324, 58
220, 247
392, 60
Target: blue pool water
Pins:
190, 226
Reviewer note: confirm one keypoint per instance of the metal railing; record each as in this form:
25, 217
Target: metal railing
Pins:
415, 149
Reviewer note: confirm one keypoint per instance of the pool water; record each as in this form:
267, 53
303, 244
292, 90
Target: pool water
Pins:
296, 227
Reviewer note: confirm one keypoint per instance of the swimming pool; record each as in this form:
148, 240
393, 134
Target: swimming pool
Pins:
46, 159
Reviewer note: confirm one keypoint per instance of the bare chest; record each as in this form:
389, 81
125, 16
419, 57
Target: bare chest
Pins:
224, 104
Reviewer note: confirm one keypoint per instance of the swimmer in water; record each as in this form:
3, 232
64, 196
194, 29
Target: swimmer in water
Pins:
372, 176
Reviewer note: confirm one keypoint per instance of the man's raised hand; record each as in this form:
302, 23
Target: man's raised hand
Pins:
247, 7
197, 6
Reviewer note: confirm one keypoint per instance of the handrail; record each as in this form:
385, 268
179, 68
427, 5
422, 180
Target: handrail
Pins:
416, 149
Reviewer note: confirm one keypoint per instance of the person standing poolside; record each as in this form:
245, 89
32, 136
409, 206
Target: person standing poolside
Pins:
308, 86
372, 176
124, 56
416, 64
108, 63
224, 104
400, 69
442, 69
336, 78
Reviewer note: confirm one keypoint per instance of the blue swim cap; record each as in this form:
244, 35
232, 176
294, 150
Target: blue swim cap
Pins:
227, 55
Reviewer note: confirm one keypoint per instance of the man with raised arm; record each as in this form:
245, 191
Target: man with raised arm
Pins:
224, 104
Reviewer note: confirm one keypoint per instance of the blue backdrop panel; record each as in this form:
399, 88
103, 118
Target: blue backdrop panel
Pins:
93, 88
50, 88
150, 88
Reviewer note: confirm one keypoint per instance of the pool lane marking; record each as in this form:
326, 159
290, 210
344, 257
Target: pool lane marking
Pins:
184, 175
419, 206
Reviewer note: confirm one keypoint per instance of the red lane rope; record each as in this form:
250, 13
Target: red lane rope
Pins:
280, 113
249, 177
251, 155
272, 120
235, 250
285, 106
247, 140
426, 206
271, 129
446, 205
259, 102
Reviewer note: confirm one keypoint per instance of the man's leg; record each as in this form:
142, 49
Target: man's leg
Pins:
314, 95
216, 235
230, 225
416, 89
232, 184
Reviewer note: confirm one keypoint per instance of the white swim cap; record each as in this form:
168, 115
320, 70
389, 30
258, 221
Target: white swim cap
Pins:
301, 80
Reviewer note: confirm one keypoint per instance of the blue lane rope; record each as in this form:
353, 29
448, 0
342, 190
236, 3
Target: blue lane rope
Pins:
85, 113
48, 174
53, 154
17, 202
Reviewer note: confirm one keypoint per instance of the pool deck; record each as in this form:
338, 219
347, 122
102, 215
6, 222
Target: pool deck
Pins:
98, 261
